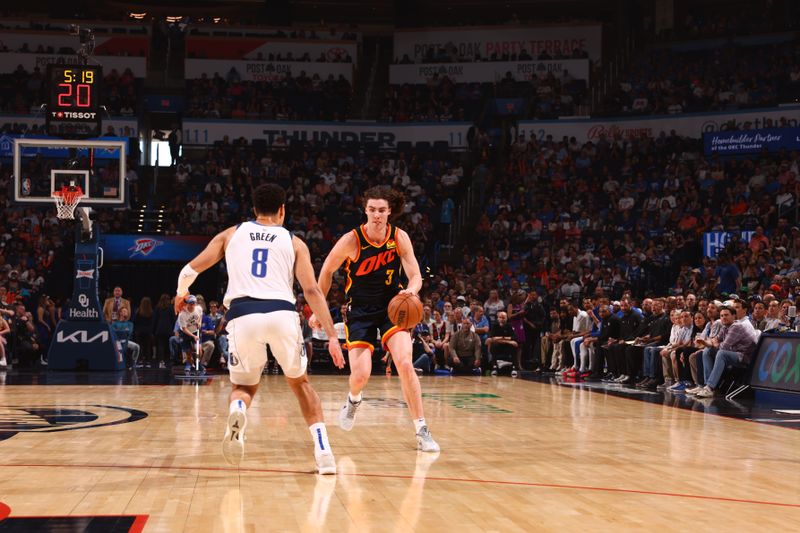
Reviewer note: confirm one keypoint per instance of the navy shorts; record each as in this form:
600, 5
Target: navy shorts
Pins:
363, 325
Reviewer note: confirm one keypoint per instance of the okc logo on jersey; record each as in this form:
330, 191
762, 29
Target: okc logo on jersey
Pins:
375, 262
144, 247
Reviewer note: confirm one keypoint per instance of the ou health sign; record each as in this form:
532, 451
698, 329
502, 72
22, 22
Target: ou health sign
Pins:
152, 247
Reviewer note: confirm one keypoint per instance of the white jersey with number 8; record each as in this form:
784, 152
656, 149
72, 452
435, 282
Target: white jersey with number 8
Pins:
260, 263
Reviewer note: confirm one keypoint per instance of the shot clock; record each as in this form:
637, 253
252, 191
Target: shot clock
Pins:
73, 105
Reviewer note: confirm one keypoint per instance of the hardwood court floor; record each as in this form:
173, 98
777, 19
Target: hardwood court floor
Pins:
516, 456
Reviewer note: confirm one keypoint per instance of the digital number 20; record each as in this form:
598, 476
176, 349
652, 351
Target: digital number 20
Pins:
259, 266
83, 94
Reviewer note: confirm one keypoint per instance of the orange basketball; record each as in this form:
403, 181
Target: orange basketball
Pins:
405, 311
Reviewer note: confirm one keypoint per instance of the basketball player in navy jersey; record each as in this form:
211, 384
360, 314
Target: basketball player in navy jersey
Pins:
263, 259
377, 256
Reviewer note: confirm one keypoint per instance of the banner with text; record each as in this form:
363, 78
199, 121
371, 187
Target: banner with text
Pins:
486, 41
489, 72
10, 61
266, 70
715, 241
751, 142
260, 48
387, 135
690, 125
777, 363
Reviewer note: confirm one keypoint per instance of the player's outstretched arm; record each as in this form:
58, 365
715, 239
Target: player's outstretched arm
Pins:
345, 248
209, 257
304, 273
409, 260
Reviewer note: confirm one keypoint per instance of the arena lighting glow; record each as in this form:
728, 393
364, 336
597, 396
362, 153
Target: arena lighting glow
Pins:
174, 19
137, 16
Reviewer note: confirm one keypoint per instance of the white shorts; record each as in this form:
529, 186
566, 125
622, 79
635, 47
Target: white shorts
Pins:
248, 337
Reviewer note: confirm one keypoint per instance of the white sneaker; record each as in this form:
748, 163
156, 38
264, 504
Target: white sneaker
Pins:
425, 441
3, 363
494, 372
706, 392
233, 442
514, 373
502, 364
347, 414
694, 390
620, 379
326, 463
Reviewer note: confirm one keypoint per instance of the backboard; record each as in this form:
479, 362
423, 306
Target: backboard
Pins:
42, 166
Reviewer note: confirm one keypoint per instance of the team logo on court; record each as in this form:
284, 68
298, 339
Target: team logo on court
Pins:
144, 247
64, 417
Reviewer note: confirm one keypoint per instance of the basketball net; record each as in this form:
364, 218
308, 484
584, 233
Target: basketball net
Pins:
66, 200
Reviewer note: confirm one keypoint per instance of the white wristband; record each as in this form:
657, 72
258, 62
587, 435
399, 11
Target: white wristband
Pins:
186, 278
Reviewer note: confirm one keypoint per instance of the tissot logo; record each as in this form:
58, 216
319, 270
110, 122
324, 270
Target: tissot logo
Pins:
51, 418
82, 337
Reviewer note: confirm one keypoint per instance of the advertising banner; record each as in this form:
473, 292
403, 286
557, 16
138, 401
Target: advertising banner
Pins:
486, 41
204, 131
714, 241
140, 247
752, 141
489, 72
10, 61
777, 364
252, 70
690, 125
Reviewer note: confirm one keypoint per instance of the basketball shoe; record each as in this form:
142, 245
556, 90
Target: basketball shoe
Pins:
326, 463
233, 442
347, 414
425, 441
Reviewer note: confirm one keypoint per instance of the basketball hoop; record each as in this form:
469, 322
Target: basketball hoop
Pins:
67, 200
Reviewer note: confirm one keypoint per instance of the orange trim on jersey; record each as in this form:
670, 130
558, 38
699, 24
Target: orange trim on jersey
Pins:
388, 335
348, 281
358, 248
397, 242
360, 344
385, 240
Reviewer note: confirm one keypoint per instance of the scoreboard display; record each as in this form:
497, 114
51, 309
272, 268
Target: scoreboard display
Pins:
73, 104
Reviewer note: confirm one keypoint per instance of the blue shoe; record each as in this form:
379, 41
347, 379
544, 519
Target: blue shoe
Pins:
202, 370
476, 371
678, 387
187, 369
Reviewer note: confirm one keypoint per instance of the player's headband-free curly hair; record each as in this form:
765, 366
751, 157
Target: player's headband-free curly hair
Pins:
396, 199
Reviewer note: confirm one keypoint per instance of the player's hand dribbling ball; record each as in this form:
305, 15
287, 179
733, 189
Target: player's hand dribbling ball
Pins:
405, 310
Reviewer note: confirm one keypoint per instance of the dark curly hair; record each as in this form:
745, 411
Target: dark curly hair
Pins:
395, 198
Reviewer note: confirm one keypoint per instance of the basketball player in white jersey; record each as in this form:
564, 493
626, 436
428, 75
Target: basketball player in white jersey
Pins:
263, 259
377, 256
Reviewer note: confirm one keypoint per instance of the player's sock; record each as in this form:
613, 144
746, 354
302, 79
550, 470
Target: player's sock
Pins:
419, 423
238, 405
320, 436
354, 399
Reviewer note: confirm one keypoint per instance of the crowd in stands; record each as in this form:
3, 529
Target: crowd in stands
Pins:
442, 100
299, 97
664, 81
236, 28
23, 92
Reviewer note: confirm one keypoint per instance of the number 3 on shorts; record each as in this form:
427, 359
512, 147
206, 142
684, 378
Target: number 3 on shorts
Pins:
259, 266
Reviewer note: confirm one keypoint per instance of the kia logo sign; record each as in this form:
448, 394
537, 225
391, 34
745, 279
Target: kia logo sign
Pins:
81, 337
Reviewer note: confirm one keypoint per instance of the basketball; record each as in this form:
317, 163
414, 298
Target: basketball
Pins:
405, 310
